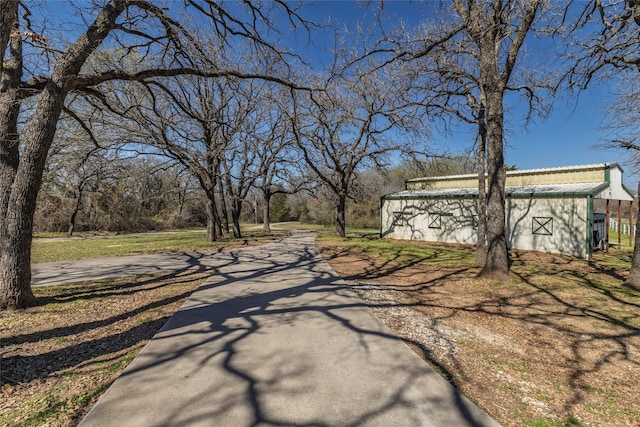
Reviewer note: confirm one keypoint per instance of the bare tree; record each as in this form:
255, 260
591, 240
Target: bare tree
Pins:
189, 120
605, 43
459, 65
254, 148
226, 132
498, 30
470, 61
445, 86
145, 31
349, 127
277, 162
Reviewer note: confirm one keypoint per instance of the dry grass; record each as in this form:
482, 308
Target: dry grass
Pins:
58, 358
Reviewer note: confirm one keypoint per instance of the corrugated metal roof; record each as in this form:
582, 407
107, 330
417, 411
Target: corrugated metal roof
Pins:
545, 190
562, 168
581, 188
523, 172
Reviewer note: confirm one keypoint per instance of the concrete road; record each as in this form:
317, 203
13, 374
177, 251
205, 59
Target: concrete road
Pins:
275, 338
65, 272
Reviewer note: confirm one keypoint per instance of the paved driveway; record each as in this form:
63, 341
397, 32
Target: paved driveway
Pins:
275, 338
65, 272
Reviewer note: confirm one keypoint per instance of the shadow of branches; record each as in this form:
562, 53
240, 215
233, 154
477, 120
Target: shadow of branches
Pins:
276, 338
78, 323
564, 326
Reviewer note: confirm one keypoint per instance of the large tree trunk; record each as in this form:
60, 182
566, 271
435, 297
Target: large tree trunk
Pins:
212, 219
12, 293
236, 211
15, 251
496, 266
341, 216
266, 213
15, 234
633, 281
10, 78
20, 201
499, 30
481, 240
9, 148
74, 214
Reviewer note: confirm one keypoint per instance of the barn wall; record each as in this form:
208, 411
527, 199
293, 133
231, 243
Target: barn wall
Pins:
555, 225
440, 220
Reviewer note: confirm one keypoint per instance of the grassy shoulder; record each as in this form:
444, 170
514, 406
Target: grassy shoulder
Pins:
48, 249
51, 247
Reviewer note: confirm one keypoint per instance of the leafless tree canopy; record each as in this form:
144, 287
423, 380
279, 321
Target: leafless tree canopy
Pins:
604, 47
119, 41
215, 88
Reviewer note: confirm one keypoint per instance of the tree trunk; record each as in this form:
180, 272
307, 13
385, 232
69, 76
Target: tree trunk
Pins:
9, 149
15, 235
15, 250
266, 221
72, 223
236, 210
13, 292
179, 218
340, 216
19, 186
15, 272
633, 281
481, 240
223, 219
10, 79
212, 213
18, 207
496, 266
74, 214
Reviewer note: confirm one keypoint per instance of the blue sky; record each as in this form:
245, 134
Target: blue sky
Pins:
569, 136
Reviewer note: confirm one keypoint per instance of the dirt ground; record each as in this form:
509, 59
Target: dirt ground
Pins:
58, 358
539, 350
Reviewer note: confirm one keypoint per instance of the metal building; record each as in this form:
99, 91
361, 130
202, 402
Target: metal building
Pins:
548, 210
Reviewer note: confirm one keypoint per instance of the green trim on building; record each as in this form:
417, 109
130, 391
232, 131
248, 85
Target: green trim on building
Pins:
475, 196
380, 214
515, 192
589, 227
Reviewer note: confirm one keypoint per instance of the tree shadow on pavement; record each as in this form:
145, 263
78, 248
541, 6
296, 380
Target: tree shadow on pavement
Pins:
276, 338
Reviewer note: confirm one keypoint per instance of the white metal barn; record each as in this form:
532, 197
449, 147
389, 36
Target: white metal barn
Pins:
548, 210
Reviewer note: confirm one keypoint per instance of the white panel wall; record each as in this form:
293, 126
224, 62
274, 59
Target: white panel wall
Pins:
615, 191
555, 225
451, 220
